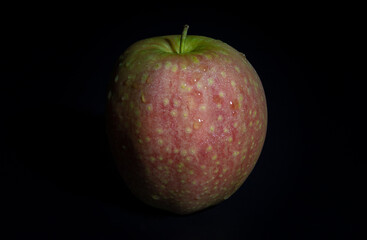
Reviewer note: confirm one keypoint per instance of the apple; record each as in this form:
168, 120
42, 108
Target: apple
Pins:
186, 120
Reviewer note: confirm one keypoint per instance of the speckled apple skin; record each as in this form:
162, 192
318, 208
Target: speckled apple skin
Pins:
185, 129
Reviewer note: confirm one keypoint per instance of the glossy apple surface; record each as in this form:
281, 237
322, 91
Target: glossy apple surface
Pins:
186, 123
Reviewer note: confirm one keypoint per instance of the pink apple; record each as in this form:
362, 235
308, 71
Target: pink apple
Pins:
187, 120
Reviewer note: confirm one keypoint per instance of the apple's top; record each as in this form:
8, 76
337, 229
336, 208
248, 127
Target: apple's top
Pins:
171, 44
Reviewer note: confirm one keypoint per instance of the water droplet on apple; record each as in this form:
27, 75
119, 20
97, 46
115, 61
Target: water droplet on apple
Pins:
198, 124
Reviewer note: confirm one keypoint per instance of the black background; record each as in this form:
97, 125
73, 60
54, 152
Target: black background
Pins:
59, 179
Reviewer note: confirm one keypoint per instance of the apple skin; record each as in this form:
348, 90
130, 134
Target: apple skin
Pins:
185, 129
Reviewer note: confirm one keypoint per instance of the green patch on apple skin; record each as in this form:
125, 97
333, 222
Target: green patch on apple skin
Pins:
172, 44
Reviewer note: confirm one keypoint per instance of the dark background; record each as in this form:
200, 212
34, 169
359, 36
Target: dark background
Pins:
59, 180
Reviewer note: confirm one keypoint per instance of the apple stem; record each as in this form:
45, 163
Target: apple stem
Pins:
183, 38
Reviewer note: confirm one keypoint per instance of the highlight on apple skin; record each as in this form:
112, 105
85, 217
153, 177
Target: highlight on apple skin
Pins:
186, 120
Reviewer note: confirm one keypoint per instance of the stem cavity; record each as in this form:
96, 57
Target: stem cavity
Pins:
183, 38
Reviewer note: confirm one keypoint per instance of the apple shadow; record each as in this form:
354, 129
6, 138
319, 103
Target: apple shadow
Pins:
68, 150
